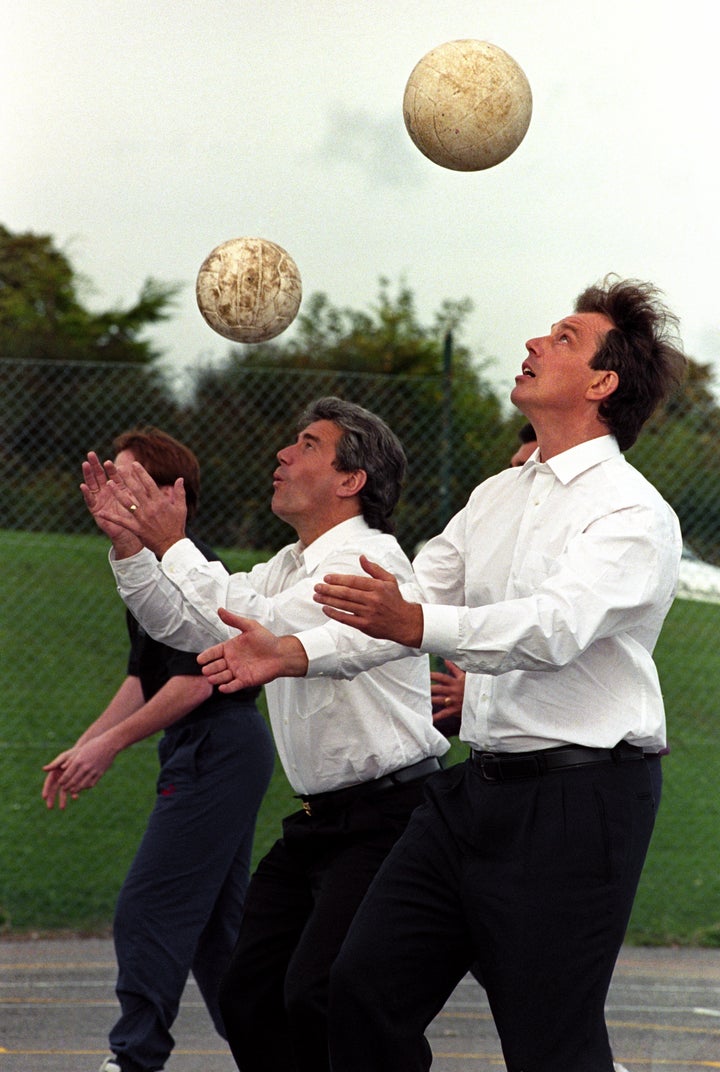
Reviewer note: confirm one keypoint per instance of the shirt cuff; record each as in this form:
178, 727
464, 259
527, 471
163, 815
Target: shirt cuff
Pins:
320, 650
132, 568
182, 557
441, 630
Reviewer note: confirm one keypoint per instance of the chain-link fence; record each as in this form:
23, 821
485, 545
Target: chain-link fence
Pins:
56, 583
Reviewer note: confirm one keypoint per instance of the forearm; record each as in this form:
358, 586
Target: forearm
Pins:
164, 609
180, 696
127, 700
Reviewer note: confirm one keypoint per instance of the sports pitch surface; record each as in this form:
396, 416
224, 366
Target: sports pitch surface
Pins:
57, 1003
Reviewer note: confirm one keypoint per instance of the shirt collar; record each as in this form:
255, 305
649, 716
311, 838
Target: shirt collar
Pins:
571, 463
315, 552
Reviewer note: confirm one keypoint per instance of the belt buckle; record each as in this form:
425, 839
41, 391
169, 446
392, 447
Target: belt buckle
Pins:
307, 807
487, 758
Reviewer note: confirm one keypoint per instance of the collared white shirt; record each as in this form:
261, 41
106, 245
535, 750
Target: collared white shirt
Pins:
329, 733
551, 587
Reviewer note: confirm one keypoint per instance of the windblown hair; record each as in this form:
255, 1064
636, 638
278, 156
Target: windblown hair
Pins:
366, 443
165, 459
643, 347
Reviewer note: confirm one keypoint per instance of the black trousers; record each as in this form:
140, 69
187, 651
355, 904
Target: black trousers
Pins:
298, 908
534, 880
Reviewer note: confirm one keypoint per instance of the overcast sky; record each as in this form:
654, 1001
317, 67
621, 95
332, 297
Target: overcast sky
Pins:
142, 134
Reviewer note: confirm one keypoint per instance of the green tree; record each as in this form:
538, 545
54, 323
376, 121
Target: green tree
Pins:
450, 421
60, 363
679, 452
42, 317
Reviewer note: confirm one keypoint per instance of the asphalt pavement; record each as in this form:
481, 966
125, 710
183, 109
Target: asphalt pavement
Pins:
57, 1003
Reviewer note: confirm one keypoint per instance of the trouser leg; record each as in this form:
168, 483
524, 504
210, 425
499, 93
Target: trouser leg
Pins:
300, 903
189, 850
252, 1001
542, 875
407, 948
239, 782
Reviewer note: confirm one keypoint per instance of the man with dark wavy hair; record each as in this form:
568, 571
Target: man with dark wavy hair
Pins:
551, 586
356, 753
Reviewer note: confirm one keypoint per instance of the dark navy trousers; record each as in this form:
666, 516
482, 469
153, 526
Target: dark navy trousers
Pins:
181, 903
534, 881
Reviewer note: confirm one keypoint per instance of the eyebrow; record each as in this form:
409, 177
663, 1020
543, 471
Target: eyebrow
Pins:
566, 325
309, 436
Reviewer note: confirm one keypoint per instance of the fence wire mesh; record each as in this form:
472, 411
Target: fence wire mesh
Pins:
59, 586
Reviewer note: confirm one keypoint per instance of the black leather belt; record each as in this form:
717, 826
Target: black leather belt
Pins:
513, 766
341, 797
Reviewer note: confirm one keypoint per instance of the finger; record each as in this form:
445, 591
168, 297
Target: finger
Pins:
140, 482
442, 679
217, 671
454, 669
234, 620
124, 497
353, 581
179, 491
218, 677
232, 686
95, 465
211, 655
374, 570
349, 600
341, 616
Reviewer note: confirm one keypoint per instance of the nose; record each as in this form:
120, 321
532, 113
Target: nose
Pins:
283, 455
533, 345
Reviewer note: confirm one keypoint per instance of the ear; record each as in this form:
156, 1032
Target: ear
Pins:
352, 483
603, 384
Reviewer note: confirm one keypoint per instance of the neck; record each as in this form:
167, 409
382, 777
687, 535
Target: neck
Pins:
310, 529
558, 435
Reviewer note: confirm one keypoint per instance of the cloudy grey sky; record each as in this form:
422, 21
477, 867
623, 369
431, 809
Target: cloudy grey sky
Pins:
142, 133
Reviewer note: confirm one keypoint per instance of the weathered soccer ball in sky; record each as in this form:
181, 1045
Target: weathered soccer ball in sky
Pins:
249, 289
467, 105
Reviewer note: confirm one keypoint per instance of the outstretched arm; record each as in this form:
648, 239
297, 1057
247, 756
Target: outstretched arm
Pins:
253, 657
373, 604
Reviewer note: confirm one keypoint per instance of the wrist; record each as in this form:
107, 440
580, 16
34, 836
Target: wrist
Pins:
411, 627
126, 545
293, 657
160, 547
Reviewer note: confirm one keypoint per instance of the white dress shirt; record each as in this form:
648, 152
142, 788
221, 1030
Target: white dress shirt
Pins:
329, 733
551, 586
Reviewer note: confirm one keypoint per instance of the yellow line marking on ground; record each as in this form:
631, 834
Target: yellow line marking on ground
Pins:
50, 965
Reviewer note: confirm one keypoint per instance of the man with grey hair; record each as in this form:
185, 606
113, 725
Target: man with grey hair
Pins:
356, 753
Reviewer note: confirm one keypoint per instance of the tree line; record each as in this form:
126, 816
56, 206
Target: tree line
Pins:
72, 379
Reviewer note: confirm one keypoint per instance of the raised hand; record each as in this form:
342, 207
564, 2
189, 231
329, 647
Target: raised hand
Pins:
98, 493
155, 515
373, 604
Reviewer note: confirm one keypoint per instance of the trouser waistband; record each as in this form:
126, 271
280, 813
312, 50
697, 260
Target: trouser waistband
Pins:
341, 797
514, 766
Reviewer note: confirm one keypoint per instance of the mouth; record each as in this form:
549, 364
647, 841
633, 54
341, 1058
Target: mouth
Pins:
527, 371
